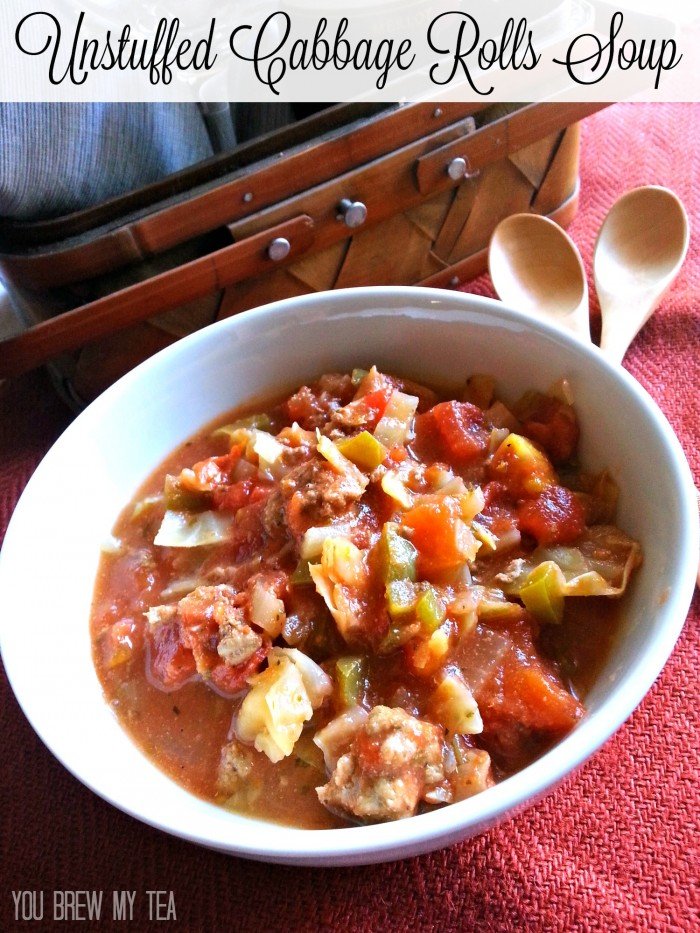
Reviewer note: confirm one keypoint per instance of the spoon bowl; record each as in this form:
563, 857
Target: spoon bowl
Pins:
639, 251
535, 266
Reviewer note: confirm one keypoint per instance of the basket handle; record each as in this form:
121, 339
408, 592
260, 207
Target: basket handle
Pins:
163, 292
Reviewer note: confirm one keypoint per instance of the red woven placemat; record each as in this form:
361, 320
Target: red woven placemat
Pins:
614, 848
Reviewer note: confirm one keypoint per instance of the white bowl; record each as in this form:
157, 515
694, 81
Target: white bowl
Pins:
50, 555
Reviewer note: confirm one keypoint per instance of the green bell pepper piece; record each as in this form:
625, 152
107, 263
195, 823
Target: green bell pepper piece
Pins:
430, 612
178, 499
351, 678
541, 594
364, 450
301, 575
401, 598
396, 554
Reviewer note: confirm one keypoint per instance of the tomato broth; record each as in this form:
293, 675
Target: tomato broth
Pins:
362, 600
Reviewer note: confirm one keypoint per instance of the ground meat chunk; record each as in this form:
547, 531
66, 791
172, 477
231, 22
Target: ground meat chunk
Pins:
238, 641
213, 611
273, 518
312, 405
314, 493
391, 764
235, 766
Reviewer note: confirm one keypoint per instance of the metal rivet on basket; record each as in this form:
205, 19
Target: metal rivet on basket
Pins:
247, 197
278, 249
437, 112
352, 213
457, 168
454, 281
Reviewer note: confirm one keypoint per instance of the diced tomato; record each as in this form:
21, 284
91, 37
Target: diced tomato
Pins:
398, 454
494, 493
214, 472
250, 532
462, 430
438, 533
172, 663
555, 517
543, 702
550, 422
231, 680
498, 514
244, 492
234, 497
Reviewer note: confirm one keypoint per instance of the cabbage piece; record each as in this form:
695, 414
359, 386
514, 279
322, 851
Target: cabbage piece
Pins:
396, 424
312, 542
185, 529
561, 390
273, 712
394, 487
269, 452
599, 564
317, 683
259, 447
339, 462
281, 699
334, 738
336, 597
343, 562
266, 609
493, 604
181, 587
486, 537
470, 500
453, 704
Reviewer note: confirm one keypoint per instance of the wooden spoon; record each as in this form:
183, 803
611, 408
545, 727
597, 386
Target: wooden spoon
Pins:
536, 267
639, 251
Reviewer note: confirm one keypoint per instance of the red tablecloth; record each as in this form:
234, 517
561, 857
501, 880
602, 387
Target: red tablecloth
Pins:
614, 848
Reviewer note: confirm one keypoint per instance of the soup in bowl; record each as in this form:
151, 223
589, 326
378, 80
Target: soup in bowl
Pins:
370, 586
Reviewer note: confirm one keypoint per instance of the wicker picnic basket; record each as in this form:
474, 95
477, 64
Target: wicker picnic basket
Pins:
356, 195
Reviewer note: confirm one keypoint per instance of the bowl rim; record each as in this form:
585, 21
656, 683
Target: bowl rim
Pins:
364, 844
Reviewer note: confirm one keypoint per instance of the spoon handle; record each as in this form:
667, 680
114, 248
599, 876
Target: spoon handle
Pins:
622, 322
